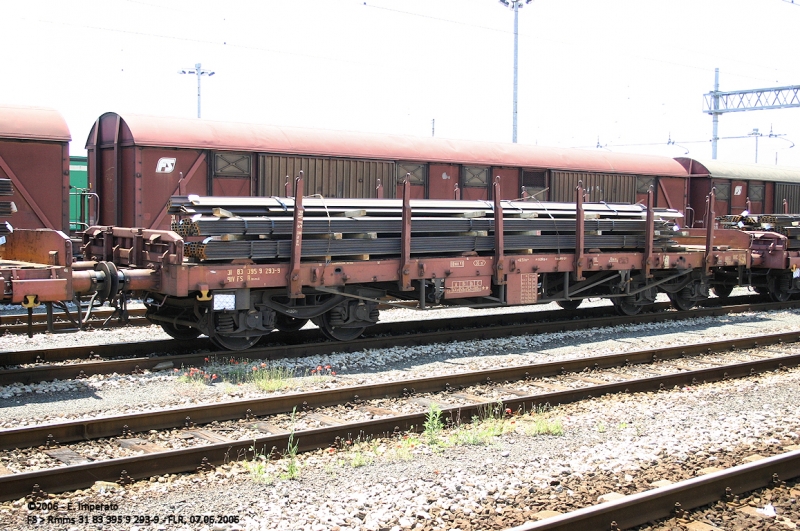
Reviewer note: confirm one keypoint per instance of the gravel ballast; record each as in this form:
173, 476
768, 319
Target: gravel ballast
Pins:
618, 443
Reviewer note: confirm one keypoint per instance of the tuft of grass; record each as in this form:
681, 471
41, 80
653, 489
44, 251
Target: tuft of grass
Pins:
541, 422
479, 433
271, 378
544, 426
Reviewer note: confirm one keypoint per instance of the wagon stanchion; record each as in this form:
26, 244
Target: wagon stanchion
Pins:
710, 219
405, 238
579, 232
499, 251
650, 234
295, 283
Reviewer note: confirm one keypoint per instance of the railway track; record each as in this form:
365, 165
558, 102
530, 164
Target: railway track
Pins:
105, 317
364, 411
77, 362
674, 500
100, 318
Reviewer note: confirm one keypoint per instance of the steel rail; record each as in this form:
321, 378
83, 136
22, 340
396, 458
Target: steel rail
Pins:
18, 325
298, 337
638, 509
126, 469
98, 314
408, 333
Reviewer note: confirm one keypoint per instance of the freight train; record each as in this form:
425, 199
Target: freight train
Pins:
136, 163
234, 230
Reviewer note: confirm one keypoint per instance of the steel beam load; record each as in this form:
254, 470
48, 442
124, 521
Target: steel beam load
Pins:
224, 228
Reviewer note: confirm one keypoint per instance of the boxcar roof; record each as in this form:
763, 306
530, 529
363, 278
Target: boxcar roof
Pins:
745, 172
33, 123
205, 134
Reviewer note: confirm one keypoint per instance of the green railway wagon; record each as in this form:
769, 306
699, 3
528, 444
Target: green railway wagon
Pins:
78, 193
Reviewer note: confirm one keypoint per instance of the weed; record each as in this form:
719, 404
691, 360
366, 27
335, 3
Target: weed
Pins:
601, 427
258, 466
292, 464
321, 374
404, 448
195, 376
433, 424
330, 467
358, 459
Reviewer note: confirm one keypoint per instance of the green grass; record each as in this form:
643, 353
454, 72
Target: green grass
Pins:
263, 375
272, 378
544, 426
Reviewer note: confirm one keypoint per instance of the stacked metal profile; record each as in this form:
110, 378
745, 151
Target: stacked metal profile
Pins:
227, 228
786, 224
6, 207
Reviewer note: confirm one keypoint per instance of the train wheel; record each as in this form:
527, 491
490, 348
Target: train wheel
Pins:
680, 302
624, 307
722, 291
337, 333
284, 323
779, 288
179, 331
570, 305
235, 342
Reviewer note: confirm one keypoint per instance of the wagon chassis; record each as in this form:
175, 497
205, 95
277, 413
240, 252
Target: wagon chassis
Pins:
239, 301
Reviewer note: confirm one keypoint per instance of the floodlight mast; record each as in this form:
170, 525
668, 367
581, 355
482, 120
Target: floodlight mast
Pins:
198, 70
515, 5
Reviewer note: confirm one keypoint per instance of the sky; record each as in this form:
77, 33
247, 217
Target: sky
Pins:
616, 75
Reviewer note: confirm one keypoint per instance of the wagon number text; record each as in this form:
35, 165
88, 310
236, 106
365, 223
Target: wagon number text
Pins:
250, 273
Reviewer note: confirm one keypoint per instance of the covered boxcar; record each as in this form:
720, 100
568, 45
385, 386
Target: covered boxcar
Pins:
760, 189
34, 156
136, 163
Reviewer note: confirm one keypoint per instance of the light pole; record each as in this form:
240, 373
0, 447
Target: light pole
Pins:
515, 5
756, 134
198, 70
